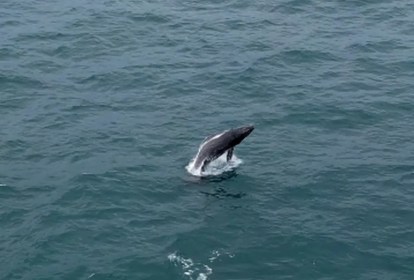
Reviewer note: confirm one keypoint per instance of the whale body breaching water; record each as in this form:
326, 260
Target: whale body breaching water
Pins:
216, 152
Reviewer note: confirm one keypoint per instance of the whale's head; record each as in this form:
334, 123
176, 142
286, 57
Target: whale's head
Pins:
238, 134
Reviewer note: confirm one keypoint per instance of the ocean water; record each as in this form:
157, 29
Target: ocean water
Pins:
104, 103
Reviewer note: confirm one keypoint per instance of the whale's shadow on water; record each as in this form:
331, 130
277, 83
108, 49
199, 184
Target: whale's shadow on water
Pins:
215, 185
220, 192
220, 178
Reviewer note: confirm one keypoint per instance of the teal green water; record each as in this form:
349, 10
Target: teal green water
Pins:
104, 103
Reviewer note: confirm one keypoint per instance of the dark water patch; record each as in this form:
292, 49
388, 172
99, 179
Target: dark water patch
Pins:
85, 105
293, 7
210, 5
386, 46
372, 66
13, 217
270, 60
333, 117
45, 66
61, 51
356, 86
10, 82
13, 149
5, 188
149, 18
117, 80
221, 193
8, 23
9, 53
362, 3
44, 36
403, 67
306, 56
393, 107
86, 188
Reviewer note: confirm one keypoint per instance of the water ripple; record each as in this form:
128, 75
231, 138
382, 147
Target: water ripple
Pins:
103, 103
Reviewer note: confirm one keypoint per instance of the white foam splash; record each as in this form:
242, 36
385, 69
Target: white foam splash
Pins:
216, 167
190, 268
215, 254
194, 270
202, 276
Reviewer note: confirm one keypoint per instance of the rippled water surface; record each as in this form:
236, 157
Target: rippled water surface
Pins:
104, 103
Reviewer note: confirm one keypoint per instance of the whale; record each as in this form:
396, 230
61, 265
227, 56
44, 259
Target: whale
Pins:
216, 145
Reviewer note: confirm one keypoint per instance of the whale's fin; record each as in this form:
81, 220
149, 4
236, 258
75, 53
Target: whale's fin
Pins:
204, 166
230, 153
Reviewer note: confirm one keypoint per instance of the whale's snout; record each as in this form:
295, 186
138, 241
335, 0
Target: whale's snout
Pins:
249, 128
244, 131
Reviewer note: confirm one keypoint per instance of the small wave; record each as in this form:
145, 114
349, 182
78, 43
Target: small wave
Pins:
216, 167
